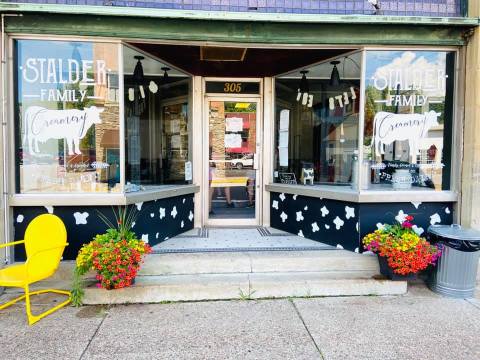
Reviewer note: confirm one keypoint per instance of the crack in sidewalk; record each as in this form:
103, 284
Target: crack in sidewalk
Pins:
306, 328
93, 336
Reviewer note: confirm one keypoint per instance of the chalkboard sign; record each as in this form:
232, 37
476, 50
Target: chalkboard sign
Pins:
287, 178
232, 87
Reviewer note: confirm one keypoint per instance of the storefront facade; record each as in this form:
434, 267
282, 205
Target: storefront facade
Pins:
320, 127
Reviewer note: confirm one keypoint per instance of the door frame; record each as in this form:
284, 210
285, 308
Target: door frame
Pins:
258, 98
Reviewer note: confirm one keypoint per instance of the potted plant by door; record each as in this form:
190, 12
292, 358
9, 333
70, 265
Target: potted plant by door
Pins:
115, 256
402, 252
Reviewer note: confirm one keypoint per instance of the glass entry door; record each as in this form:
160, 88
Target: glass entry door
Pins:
233, 167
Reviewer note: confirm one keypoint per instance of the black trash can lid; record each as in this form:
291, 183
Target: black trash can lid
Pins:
455, 231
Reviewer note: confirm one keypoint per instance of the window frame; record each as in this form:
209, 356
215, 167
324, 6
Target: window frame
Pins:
188, 98
96, 198
457, 124
10, 140
389, 195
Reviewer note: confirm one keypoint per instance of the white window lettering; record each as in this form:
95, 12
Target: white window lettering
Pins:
30, 65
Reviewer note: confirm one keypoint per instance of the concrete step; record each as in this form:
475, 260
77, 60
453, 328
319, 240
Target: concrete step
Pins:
247, 262
154, 289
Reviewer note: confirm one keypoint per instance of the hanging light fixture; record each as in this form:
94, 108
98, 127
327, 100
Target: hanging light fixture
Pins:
165, 74
138, 76
136, 94
303, 90
335, 76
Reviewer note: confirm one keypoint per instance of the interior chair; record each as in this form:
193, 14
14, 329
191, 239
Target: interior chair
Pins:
45, 239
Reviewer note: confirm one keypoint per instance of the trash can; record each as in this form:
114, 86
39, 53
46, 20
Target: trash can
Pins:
456, 272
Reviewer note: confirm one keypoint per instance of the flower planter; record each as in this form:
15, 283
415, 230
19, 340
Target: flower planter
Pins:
115, 256
387, 271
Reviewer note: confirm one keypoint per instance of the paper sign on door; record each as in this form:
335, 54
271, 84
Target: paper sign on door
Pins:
233, 140
234, 124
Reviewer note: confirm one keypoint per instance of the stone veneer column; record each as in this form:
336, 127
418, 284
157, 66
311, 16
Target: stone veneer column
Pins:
470, 200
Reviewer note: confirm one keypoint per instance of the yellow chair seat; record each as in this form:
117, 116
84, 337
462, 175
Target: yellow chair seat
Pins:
13, 276
45, 240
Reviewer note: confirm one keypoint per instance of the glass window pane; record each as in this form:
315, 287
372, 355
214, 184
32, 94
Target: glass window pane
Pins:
156, 122
316, 124
232, 128
66, 116
408, 119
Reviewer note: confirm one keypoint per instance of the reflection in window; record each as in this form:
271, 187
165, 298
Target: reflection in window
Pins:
66, 116
156, 122
317, 123
408, 119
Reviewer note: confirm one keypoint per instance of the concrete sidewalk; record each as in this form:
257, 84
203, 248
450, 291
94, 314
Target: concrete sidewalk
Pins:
420, 325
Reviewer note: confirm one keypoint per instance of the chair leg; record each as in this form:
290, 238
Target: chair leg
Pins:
11, 302
32, 319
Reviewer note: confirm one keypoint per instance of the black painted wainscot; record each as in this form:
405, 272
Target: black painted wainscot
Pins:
157, 221
343, 224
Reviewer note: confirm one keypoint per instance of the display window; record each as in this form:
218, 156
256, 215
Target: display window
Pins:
156, 123
317, 123
66, 116
68, 104
408, 119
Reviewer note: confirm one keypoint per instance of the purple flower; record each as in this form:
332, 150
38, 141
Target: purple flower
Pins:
407, 225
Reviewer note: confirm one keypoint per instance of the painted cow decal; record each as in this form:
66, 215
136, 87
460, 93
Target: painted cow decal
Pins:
41, 125
389, 127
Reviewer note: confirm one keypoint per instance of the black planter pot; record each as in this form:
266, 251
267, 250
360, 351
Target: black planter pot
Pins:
387, 271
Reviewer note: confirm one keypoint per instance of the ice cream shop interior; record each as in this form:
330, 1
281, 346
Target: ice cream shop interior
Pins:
321, 141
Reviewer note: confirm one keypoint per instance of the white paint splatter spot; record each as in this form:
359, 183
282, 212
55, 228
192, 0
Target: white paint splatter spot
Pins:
49, 209
299, 216
339, 246
338, 223
327, 226
133, 224
349, 212
324, 211
380, 226
401, 216
156, 235
435, 218
300, 233
174, 212
139, 205
152, 215
275, 204
416, 204
182, 224
305, 208
20, 218
418, 230
294, 197
356, 250
183, 201
356, 226
80, 218
282, 196
165, 238
145, 238
162, 213
315, 227
447, 210
190, 216
283, 216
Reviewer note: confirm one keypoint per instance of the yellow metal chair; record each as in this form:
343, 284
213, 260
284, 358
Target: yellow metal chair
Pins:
45, 240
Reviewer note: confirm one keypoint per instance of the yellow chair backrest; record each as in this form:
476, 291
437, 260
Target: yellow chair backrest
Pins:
45, 232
